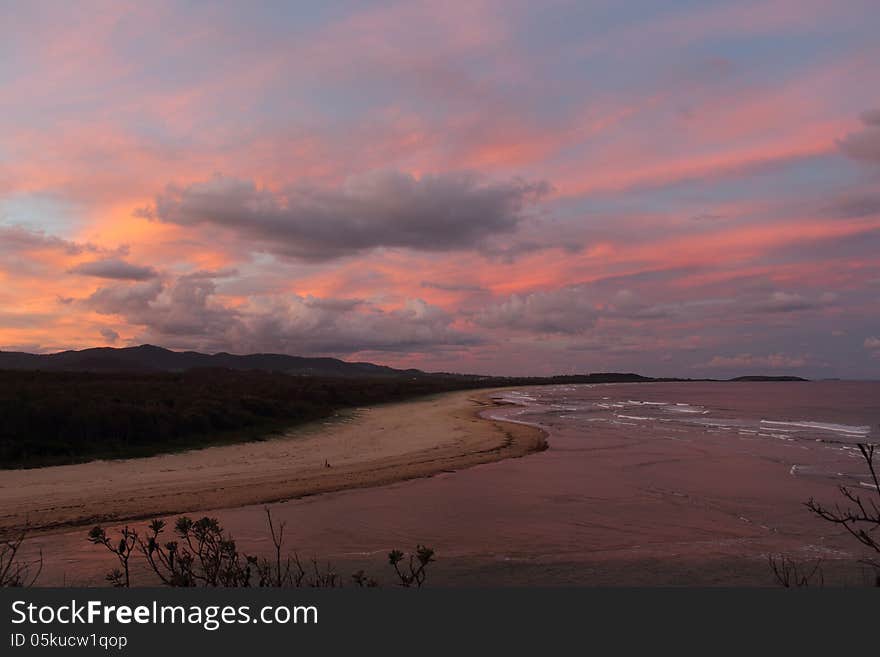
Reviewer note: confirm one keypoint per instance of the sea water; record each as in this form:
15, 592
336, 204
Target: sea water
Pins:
650, 483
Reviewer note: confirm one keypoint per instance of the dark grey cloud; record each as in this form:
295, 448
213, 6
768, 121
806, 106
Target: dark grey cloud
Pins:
864, 144
575, 309
309, 325
871, 117
789, 302
186, 314
130, 300
109, 335
566, 310
226, 272
586, 308
452, 287
16, 239
386, 209
115, 268
864, 204
182, 310
511, 252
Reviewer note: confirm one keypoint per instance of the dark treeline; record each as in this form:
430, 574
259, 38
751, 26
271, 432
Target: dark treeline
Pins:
51, 418
64, 417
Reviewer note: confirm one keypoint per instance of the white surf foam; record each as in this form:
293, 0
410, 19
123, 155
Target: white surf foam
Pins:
846, 429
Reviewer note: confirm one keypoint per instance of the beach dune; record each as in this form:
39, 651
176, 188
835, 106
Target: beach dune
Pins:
366, 447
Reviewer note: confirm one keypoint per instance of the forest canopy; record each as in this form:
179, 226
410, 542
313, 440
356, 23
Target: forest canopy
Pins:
51, 418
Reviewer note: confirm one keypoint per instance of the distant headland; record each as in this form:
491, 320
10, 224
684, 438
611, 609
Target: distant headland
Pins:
151, 358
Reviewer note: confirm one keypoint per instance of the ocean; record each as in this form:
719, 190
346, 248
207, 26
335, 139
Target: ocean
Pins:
648, 483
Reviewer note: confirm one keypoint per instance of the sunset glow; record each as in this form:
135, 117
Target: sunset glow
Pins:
674, 188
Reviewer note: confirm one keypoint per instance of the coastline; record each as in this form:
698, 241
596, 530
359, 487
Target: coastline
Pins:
373, 446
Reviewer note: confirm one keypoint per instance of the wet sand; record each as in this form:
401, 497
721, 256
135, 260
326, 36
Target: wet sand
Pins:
367, 447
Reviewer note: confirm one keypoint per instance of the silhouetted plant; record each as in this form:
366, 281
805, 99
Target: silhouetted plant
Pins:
790, 574
288, 571
121, 548
323, 578
363, 580
205, 555
861, 516
15, 572
281, 574
415, 572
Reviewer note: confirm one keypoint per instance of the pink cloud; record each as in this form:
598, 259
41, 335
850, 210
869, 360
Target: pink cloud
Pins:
635, 147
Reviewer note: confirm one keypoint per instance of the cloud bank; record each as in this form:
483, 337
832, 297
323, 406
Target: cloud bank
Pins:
384, 209
702, 206
187, 314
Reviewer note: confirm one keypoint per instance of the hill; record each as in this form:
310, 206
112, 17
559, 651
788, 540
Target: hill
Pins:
150, 358
769, 378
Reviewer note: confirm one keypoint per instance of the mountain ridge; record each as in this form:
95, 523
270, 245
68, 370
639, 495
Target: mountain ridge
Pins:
151, 358
148, 358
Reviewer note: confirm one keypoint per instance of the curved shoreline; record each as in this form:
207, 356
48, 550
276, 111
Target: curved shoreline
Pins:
381, 445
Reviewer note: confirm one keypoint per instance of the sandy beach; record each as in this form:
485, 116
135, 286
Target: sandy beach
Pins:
366, 447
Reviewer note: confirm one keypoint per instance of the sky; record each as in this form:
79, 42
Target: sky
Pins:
677, 188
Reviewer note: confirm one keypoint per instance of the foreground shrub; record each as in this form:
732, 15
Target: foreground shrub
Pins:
13, 570
859, 516
201, 553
